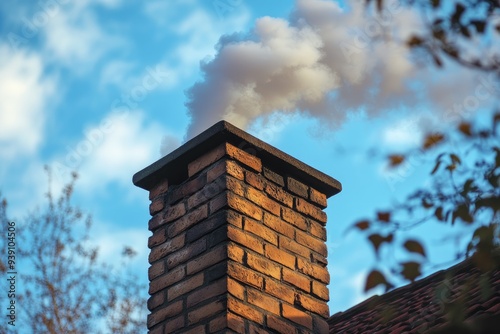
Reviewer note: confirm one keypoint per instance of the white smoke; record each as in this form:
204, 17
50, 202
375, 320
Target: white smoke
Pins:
325, 61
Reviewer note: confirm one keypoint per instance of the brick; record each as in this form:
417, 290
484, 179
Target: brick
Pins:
196, 330
310, 210
184, 190
235, 170
279, 325
255, 180
156, 269
294, 248
166, 280
217, 324
272, 176
218, 202
236, 323
277, 255
245, 239
279, 290
244, 275
253, 329
206, 193
261, 231
156, 206
157, 330
217, 237
248, 312
164, 313
208, 225
159, 188
319, 259
263, 265
235, 219
262, 200
244, 206
174, 324
156, 300
320, 290
186, 253
263, 301
296, 279
279, 194
235, 185
278, 225
184, 286
297, 187
320, 325
205, 311
293, 218
318, 198
155, 221
297, 316
216, 170
235, 289
244, 157
317, 230
313, 305
311, 242
235, 253
166, 248
206, 260
206, 160
215, 272
159, 236
313, 270
187, 221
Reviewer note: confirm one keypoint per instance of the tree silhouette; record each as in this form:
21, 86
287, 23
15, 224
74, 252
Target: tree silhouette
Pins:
62, 286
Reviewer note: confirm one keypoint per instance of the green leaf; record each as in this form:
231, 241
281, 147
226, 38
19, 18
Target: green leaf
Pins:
374, 279
411, 270
414, 246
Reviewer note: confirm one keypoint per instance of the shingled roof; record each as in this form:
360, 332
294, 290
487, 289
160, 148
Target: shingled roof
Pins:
459, 299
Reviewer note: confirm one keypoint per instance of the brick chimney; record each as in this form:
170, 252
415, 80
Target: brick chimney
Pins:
238, 242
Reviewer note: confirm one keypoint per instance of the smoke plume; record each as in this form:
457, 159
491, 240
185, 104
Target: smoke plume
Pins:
324, 61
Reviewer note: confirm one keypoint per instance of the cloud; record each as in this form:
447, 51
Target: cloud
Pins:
24, 101
112, 151
74, 37
324, 61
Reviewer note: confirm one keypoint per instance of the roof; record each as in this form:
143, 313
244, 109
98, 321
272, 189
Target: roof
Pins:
170, 166
429, 305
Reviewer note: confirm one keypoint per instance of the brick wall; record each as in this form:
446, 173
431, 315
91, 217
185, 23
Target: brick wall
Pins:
238, 243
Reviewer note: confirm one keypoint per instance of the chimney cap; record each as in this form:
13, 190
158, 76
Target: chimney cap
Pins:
168, 166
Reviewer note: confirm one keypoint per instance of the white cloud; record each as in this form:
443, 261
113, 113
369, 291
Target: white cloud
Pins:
74, 37
114, 150
403, 133
24, 99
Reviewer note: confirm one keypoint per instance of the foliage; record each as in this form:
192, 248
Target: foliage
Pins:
461, 30
465, 189
63, 286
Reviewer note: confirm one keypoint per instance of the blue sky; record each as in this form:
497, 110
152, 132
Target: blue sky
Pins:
100, 87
